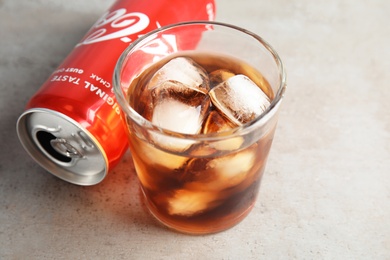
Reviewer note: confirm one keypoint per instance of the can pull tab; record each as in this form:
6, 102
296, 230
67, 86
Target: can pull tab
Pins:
65, 148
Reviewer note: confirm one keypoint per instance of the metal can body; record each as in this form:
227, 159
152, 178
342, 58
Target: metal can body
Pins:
72, 125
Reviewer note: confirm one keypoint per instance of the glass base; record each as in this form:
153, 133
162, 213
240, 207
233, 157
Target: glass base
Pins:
197, 225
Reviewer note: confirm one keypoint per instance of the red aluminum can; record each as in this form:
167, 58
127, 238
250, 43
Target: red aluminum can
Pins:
72, 125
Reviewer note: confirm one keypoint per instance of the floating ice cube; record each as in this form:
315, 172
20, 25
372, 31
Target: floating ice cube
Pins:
219, 76
229, 144
239, 99
178, 108
233, 169
215, 123
183, 70
225, 172
191, 202
152, 155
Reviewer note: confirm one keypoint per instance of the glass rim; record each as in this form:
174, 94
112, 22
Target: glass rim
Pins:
215, 136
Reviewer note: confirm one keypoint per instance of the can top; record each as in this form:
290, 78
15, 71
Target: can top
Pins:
62, 146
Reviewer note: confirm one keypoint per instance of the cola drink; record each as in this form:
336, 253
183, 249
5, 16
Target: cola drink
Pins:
201, 119
71, 126
191, 186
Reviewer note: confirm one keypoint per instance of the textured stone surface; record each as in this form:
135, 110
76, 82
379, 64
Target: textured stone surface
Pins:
326, 191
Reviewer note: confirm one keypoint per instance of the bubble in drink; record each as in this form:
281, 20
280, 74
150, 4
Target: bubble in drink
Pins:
239, 99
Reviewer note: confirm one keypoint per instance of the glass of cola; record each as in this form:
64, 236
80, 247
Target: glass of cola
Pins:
200, 101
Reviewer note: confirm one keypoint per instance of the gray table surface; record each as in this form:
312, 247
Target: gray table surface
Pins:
326, 191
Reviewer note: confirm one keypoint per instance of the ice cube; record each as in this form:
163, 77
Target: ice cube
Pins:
239, 99
183, 70
191, 202
179, 108
215, 123
225, 172
228, 144
233, 169
219, 76
161, 159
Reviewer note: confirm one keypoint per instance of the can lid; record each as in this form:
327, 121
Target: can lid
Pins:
62, 146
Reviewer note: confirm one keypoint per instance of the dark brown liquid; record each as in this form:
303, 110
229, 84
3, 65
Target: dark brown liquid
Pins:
206, 187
